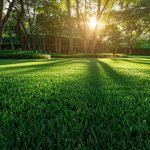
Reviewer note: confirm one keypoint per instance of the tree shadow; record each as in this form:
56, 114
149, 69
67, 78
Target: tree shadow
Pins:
116, 99
81, 108
18, 61
137, 61
120, 78
37, 66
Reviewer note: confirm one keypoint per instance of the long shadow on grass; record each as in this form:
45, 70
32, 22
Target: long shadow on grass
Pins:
103, 110
77, 113
48, 66
18, 61
115, 118
126, 81
137, 61
37, 66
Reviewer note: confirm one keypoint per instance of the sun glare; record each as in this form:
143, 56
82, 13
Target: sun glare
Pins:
92, 22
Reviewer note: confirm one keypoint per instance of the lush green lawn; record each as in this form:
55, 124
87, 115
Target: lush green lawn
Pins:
75, 104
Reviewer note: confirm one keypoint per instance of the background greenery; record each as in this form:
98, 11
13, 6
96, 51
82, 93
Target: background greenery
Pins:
124, 25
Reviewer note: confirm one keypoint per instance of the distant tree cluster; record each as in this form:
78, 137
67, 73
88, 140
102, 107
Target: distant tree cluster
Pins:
109, 24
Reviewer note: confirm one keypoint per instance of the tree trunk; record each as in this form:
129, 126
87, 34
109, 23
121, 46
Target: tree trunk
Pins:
19, 32
82, 31
22, 28
29, 17
1, 26
11, 41
93, 45
70, 25
1, 33
3, 20
56, 44
43, 43
59, 48
99, 15
85, 45
71, 45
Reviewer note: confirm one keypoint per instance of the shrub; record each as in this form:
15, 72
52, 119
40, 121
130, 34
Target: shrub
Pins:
88, 55
18, 54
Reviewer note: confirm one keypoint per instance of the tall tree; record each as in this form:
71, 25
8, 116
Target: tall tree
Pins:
51, 20
82, 25
82, 18
100, 11
70, 26
3, 20
1, 27
19, 32
133, 20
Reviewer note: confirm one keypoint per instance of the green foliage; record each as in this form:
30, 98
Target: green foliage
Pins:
75, 104
113, 35
101, 55
50, 18
123, 24
132, 20
22, 54
7, 39
142, 44
10, 26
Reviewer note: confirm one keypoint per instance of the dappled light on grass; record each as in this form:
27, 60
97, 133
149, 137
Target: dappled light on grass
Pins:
80, 103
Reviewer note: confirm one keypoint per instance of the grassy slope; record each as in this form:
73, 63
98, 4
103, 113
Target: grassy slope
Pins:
75, 103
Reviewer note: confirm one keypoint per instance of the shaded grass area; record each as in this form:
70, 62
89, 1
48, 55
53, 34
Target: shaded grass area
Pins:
75, 104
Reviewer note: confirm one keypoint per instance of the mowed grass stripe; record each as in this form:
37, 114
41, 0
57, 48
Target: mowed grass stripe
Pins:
75, 104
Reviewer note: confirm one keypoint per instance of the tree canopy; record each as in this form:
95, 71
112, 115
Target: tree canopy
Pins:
117, 23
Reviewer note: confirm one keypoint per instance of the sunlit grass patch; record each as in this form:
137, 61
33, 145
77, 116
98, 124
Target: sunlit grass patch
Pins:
75, 103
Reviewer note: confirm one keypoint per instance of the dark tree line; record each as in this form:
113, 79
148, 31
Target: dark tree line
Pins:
125, 22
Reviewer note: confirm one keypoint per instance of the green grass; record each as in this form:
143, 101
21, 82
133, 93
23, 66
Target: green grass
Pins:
81, 104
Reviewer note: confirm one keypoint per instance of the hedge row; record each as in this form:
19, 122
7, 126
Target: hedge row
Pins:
18, 54
13, 54
102, 55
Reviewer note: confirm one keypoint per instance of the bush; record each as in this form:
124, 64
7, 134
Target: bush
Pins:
18, 54
102, 55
